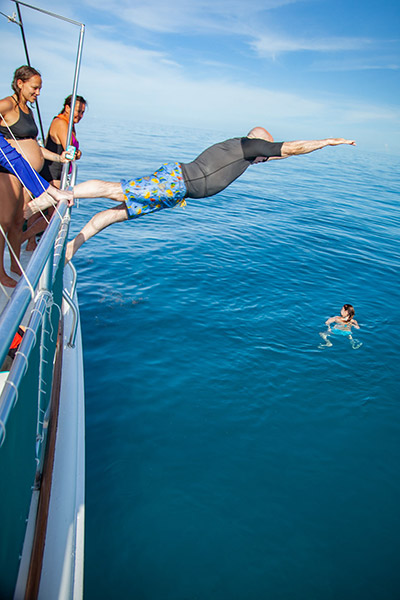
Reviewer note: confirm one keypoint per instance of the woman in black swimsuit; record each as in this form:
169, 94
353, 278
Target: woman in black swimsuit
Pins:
19, 128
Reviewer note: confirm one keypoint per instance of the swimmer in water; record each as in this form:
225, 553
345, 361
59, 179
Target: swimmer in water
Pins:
342, 326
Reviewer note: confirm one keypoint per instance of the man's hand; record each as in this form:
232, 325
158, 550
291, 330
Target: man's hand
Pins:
338, 141
59, 195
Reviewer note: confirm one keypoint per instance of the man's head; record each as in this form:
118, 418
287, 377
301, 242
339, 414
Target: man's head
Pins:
260, 133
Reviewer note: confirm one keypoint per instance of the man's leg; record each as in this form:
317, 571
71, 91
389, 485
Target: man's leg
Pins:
95, 188
97, 223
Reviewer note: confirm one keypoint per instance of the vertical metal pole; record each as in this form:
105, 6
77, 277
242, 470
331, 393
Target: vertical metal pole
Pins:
23, 35
73, 100
29, 63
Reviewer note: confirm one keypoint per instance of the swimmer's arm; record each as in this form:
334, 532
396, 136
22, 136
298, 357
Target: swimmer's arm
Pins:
355, 324
330, 320
306, 146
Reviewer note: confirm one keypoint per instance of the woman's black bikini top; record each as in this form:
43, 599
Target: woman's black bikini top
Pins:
25, 128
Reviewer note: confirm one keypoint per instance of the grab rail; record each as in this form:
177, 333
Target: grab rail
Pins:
75, 321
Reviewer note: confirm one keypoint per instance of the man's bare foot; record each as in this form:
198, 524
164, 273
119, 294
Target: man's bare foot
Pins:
69, 251
7, 281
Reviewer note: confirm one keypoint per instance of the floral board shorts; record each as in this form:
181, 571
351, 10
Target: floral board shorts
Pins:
164, 189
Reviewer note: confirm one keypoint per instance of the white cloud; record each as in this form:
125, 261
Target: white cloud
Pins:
354, 65
154, 91
273, 44
181, 16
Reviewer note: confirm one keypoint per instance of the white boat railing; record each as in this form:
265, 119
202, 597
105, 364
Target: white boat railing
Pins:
38, 279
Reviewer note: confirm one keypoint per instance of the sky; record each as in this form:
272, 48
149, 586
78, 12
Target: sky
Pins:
304, 69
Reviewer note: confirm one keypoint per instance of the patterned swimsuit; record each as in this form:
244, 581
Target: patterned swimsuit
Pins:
164, 189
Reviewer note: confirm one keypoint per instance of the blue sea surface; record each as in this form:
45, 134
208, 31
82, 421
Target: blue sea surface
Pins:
228, 457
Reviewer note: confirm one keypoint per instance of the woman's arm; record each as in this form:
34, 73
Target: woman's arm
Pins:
53, 156
6, 106
58, 132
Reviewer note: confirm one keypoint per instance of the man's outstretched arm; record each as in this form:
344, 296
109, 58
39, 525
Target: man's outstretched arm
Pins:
307, 146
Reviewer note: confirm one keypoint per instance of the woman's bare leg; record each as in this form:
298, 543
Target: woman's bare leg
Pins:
40, 223
14, 237
4, 278
96, 224
37, 226
31, 245
11, 219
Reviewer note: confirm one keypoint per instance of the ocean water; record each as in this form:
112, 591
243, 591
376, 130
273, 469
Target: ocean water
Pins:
229, 457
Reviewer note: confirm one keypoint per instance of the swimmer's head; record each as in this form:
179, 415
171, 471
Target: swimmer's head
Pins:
260, 133
347, 312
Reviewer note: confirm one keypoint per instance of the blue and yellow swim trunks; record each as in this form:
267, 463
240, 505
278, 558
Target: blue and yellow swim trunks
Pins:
164, 189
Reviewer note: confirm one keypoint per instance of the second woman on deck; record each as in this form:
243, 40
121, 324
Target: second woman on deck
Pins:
56, 142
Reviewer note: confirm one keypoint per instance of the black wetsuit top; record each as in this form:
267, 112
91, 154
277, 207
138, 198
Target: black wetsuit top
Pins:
52, 170
218, 166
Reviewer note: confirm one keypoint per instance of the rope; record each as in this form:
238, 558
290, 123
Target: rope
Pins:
3, 427
11, 249
42, 392
5, 291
